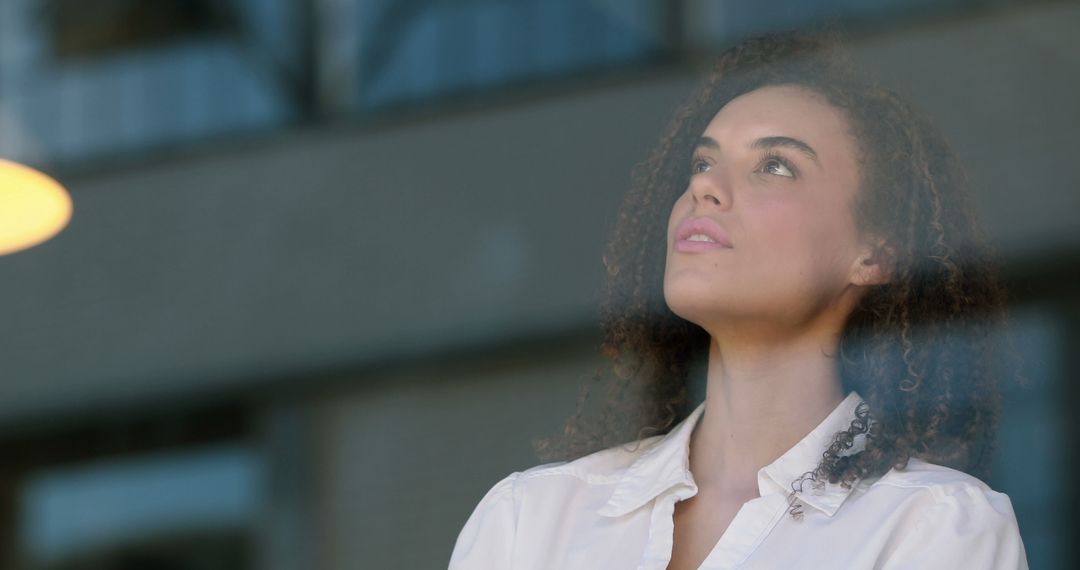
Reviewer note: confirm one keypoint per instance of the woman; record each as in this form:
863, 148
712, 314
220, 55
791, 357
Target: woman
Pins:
801, 241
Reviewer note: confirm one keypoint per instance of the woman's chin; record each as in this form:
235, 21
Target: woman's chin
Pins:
688, 291
695, 309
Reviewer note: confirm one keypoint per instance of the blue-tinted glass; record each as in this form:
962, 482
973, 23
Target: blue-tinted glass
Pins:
421, 49
1029, 465
722, 22
79, 509
135, 95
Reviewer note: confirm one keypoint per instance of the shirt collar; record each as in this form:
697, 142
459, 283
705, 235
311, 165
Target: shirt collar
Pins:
667, 463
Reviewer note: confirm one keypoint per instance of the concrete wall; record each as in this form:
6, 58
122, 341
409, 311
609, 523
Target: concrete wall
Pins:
322, 249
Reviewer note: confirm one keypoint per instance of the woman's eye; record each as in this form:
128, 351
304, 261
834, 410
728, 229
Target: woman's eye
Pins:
698, 164
778, 167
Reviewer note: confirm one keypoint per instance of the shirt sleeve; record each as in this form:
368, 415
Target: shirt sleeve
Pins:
967, 527
487, 539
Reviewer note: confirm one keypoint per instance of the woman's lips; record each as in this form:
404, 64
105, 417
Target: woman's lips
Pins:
689, 246
700, 234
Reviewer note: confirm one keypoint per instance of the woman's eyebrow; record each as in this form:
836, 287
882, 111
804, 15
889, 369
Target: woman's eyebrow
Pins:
707, 142
788, 142
767, 143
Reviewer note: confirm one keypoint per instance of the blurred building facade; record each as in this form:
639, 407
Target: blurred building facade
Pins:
334, 263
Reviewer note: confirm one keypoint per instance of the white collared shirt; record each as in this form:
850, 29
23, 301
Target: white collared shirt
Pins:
613, 510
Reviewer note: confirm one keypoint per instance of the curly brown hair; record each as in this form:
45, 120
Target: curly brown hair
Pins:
922, 349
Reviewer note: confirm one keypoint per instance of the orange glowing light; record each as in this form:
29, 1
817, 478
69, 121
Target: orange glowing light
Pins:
33, 207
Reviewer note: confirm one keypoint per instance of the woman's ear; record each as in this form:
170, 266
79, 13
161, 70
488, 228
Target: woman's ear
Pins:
876, 265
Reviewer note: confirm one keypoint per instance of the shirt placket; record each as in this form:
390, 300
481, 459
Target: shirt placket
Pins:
754, 521
747, 530
657, 552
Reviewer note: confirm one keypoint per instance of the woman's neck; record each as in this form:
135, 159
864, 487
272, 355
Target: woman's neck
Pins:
762, 397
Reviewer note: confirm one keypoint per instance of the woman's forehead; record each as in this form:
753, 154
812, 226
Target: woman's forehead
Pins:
778, 110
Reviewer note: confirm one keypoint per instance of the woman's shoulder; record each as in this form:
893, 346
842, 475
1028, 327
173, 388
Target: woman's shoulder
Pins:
538, 494
931, 477
946, 518
948, 490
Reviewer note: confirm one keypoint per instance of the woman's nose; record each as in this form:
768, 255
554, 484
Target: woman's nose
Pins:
711, 188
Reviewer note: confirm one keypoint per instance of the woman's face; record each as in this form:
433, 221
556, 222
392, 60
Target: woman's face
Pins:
763, 233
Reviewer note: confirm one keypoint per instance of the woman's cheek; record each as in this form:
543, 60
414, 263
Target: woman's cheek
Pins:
775, 224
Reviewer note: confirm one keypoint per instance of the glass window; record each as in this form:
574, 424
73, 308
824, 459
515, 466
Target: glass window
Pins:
124, 79
184, 505
420, 49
